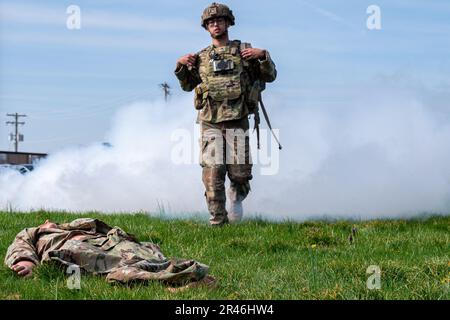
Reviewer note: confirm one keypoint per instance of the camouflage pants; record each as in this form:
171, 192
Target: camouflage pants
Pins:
225, 149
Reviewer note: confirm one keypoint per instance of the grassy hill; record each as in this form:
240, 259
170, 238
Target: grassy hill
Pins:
262, 260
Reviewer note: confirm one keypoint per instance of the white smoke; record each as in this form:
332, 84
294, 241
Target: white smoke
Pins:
135, 174
375, 157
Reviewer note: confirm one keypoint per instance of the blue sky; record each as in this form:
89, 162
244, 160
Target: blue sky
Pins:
70, 82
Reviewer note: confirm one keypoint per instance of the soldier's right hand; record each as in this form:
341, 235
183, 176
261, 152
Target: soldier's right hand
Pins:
23, 268
187, 60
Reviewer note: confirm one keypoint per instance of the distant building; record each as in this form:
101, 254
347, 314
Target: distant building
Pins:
10, 157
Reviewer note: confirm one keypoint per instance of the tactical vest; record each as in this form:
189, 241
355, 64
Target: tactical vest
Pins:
225, 76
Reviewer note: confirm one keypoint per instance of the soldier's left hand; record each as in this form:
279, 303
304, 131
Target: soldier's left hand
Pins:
23, 268
253, 53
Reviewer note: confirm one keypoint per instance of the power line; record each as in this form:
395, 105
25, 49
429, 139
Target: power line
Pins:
75, 113
16, 136
92, 110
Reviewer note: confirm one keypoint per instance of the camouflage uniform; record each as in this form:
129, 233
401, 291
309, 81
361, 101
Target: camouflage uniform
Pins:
224, 100
103, 250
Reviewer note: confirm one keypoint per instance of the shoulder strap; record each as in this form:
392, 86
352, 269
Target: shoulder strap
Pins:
244, 45
198, 53
234, 47
204, 50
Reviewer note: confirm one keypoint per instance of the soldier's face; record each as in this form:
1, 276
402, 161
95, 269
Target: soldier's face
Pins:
48, 224
217, 27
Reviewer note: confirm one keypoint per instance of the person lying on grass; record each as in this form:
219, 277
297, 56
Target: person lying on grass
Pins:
97, 248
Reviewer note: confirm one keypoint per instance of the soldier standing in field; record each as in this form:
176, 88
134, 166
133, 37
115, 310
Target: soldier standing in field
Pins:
227, 77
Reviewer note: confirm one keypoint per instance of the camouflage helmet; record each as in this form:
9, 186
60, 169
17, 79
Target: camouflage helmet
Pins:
216, 10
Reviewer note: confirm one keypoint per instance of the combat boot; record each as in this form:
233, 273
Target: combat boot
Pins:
235, 210
218, 221
218, 212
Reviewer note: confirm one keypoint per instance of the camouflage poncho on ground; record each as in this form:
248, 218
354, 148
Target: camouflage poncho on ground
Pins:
102, 250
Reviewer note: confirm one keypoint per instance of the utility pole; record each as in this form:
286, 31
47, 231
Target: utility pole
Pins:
166, 89
17, 137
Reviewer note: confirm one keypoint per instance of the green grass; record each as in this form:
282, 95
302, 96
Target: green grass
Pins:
262, 260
